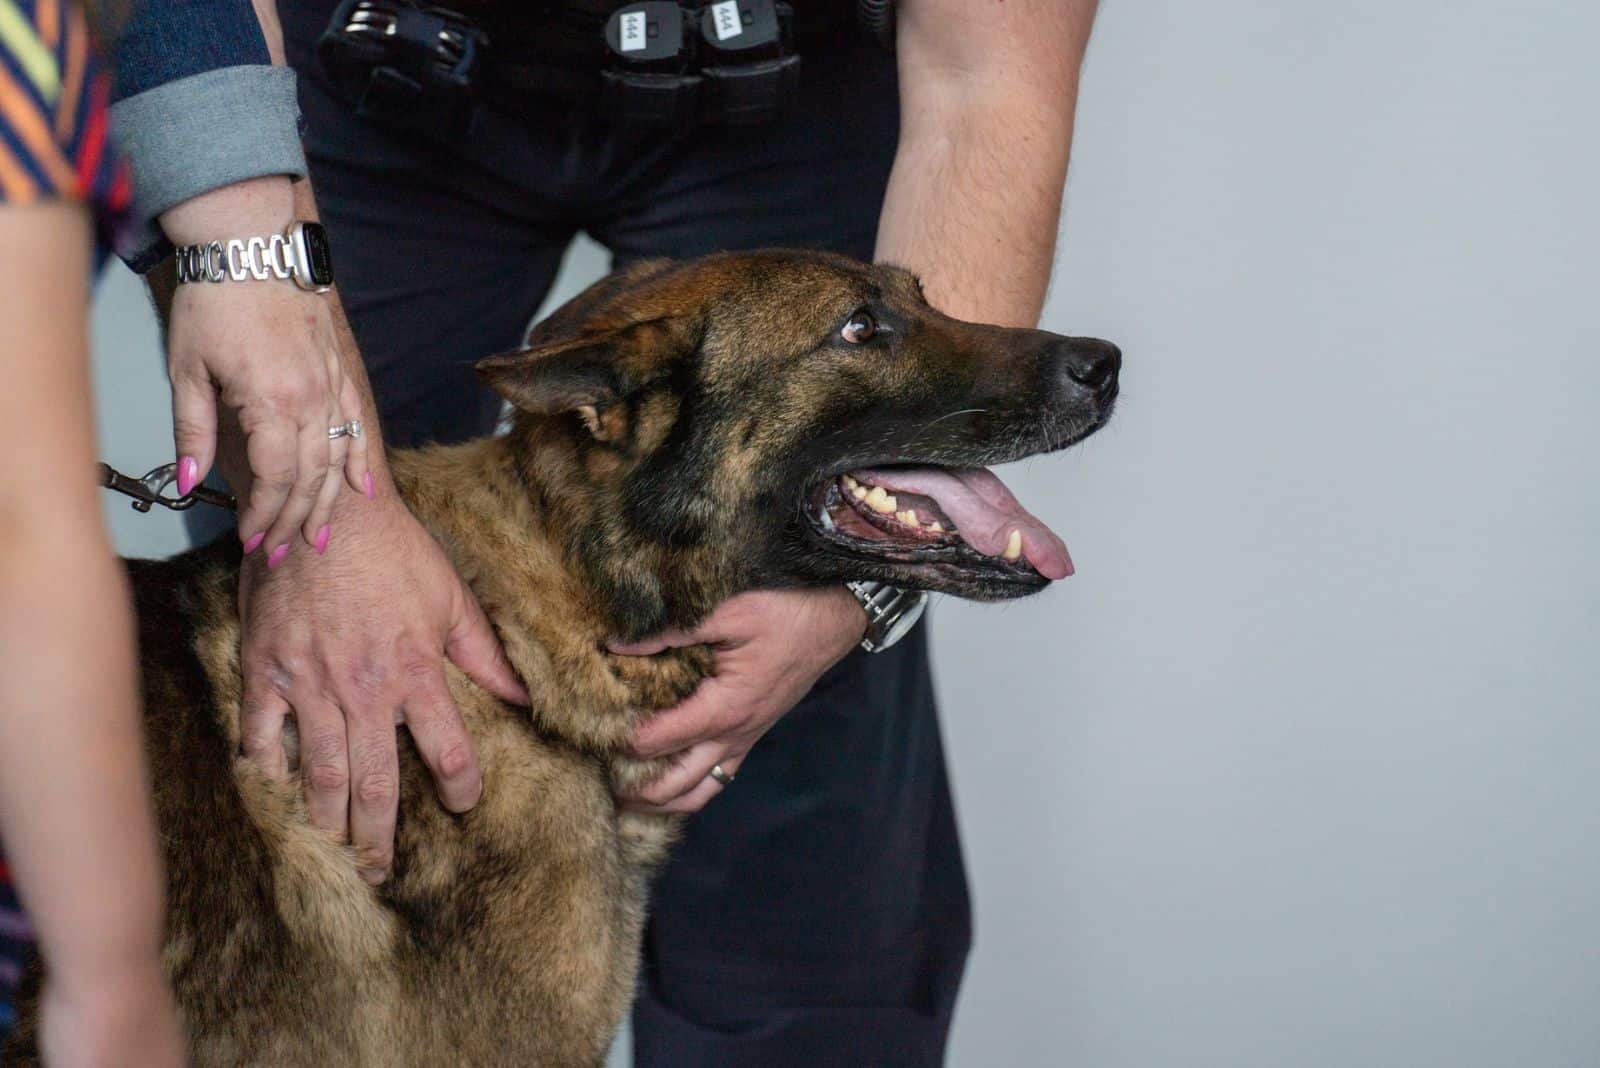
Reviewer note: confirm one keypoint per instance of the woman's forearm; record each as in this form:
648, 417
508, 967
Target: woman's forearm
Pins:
74, 809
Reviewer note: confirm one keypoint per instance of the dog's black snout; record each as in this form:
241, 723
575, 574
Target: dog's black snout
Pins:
1092, 363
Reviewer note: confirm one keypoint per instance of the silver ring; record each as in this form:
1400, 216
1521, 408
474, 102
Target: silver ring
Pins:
352, 429
721, 776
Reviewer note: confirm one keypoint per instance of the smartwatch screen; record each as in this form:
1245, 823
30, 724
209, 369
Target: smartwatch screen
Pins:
319, 257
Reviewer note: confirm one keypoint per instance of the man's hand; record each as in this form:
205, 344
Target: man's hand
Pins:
771, 647
351, 644
269, 351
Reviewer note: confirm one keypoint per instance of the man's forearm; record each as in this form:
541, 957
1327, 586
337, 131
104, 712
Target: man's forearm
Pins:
974, 199
974, 209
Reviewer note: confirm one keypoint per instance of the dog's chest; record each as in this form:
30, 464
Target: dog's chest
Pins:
526, 911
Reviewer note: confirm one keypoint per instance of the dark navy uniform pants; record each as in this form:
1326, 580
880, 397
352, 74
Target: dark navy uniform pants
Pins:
816, 912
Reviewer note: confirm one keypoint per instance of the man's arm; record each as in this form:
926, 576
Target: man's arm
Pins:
987, 95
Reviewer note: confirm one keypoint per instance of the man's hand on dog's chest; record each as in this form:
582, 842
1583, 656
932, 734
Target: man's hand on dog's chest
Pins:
771, 646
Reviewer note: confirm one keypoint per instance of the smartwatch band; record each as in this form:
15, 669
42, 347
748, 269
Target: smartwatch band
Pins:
299, 255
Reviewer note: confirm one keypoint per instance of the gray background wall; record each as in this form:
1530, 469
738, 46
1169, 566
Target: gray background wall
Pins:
1300, 768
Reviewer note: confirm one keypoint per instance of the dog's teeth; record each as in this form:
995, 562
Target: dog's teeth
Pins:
880, 501
850, 482
1013, 547
908, 517
825, 517
936, 526
858, 491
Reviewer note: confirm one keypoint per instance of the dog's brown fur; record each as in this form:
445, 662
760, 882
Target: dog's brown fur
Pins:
674, 419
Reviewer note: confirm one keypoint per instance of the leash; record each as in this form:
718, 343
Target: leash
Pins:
150, 489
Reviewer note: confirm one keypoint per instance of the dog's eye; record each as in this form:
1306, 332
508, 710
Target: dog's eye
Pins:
859, 327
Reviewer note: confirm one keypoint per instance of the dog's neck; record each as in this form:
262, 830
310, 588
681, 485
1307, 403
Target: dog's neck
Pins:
557, 577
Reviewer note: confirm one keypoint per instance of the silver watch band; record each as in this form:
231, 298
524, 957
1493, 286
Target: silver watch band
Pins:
891, 612
238, 259
299, 255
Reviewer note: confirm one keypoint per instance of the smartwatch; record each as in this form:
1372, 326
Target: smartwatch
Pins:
891, 612
300, 254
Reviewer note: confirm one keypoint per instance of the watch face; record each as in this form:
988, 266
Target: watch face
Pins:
319, 256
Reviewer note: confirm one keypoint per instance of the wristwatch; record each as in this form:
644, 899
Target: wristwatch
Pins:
891, 612
300, 254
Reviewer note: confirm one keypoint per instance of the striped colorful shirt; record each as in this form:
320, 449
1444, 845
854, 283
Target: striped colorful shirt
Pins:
54, 96
53, 144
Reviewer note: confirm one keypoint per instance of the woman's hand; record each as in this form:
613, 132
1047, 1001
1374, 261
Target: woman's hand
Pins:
268, 351
353, 646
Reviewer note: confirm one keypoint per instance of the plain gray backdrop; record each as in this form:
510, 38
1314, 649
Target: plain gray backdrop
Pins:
1300, 768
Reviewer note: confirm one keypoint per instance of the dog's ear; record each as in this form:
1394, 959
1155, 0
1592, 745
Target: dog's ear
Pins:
589, 374
571, 318
616, 337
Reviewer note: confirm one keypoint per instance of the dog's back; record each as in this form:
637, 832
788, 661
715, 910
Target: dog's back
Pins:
505, 935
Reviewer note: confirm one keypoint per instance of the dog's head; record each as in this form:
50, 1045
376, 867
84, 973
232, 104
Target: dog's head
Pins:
786, 418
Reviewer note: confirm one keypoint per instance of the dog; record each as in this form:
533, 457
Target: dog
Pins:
682, 432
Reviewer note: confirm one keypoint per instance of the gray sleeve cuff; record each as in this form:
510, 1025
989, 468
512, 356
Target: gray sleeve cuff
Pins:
200, 133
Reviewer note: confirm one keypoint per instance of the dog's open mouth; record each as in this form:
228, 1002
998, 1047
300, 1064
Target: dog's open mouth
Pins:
961, 518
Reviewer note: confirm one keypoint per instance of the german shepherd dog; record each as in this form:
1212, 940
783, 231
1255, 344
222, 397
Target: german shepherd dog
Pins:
683, 432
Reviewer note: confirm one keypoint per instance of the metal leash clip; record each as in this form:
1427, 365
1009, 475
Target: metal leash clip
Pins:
149, 490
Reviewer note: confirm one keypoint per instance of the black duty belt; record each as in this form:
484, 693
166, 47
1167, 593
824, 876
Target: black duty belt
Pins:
655, 63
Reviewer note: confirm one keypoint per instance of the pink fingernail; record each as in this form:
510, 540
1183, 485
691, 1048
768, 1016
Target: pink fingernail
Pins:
275, 557
371, 493
254, 543
188, 475
322, 539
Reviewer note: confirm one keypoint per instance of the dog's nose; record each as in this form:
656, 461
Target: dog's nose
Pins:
1092, 363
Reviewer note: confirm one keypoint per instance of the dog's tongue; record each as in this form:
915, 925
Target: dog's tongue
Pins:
983, 510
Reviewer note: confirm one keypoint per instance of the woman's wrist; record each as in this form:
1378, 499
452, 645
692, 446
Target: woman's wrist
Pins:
254, 207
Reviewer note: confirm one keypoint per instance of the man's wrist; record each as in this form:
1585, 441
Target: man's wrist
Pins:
890, 612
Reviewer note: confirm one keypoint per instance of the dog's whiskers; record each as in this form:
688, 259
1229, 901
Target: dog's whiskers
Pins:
948, 415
